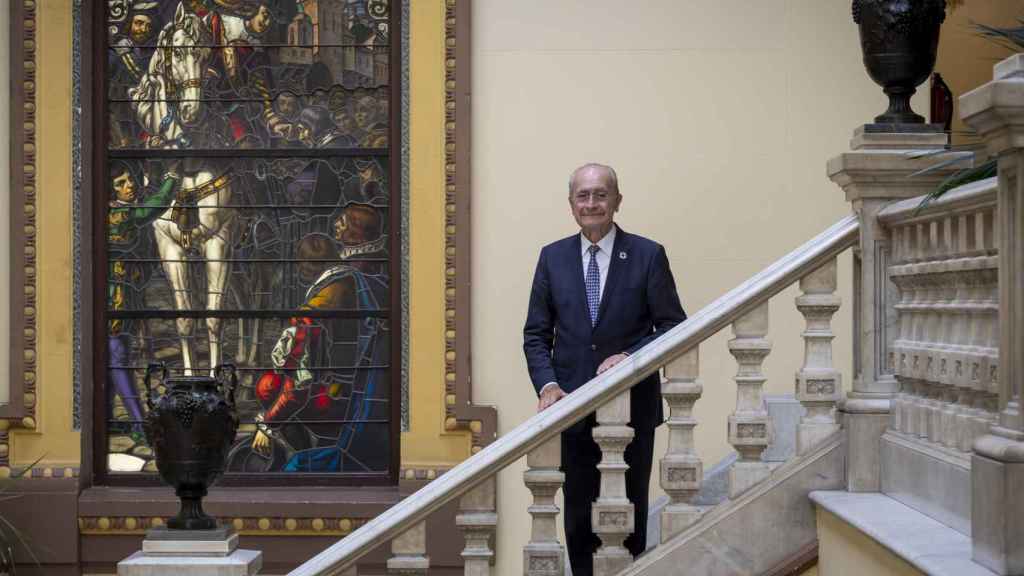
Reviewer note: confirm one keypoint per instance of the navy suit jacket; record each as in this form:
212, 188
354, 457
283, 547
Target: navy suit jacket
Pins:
639, 303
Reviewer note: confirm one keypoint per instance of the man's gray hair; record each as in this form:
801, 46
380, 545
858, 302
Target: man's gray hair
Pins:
613, 178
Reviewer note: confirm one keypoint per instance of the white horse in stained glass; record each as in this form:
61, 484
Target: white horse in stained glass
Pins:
168, 103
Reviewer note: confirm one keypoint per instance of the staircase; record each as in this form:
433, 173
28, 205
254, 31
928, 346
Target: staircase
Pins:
925, 456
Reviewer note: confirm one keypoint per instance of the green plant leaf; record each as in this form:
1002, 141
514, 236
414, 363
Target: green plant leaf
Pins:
957, 179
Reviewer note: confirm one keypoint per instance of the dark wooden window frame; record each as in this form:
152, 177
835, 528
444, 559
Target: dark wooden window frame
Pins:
94, 346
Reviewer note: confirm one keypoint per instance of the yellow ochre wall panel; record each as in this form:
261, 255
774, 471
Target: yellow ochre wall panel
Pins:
54, 439
427, 443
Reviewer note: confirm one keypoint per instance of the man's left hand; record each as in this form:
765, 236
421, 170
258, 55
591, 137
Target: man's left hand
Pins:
611, 361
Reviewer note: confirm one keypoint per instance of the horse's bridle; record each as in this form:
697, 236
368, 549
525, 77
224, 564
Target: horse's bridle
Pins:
173, 87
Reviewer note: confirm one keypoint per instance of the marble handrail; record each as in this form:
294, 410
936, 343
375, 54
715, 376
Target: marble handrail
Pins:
545, 425
961, 198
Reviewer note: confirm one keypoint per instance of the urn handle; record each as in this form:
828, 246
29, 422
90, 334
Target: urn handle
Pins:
228, 383
153, 367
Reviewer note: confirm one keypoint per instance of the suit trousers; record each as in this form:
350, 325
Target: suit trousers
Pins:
580, 456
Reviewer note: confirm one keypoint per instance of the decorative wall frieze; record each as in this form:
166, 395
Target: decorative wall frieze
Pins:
21, 411
246, 526
460, 412
421, 473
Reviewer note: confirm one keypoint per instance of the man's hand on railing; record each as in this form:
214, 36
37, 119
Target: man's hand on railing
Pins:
611, 361
549, 395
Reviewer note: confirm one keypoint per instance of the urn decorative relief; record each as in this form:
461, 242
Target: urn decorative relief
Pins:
191, 427
899, 40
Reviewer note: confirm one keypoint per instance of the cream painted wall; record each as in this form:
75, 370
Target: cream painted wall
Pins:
845, 551
965, 59
719, 116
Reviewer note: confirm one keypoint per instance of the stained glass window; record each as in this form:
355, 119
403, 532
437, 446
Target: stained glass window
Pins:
250, 218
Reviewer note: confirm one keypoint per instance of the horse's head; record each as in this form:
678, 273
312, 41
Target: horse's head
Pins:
186, 55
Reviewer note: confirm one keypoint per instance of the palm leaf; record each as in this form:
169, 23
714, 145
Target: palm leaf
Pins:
959, 178
1010, 38
943, 164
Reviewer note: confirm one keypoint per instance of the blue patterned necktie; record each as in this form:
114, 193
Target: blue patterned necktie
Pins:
593, 284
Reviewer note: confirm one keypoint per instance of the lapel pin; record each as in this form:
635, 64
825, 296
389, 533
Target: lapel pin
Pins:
622, 255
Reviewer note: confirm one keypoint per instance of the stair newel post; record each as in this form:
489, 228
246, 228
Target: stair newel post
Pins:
818, 384
750, 428
997, 465
681, 469
612, 513
409, 553
544, 555
478, 519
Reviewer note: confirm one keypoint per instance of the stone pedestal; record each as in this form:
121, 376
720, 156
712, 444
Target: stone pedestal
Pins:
874, 173
168, 552
996, 112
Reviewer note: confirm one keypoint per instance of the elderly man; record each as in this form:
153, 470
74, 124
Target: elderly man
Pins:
597, 297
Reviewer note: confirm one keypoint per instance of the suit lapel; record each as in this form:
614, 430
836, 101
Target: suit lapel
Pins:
616, 268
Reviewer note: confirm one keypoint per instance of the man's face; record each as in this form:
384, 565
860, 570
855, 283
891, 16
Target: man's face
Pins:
261, 20
593, 201
364, 112
124, 187
288, 105
140, 28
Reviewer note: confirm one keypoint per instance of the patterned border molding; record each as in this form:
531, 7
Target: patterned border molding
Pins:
24, 310
405, 216
427, 474
246, 526
460, 412
48, 471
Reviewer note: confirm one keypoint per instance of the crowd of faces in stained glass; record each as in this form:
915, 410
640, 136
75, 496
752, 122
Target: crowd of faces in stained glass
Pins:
248, 222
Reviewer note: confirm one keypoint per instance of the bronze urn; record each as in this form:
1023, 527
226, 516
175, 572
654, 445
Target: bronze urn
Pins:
190, 427
899, 39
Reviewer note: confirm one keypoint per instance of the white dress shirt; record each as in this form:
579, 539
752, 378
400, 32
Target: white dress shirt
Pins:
604, 260
604, 256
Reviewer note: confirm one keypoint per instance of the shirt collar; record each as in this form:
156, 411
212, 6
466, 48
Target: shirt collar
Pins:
605, 244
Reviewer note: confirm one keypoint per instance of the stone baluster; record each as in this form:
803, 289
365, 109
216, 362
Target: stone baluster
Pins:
681, 469
409, 552
478, 519
899, 401
818, 383
750, 429
612, 513
543, 555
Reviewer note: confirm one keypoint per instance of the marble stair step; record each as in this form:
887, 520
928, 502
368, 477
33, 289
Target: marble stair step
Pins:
925, 543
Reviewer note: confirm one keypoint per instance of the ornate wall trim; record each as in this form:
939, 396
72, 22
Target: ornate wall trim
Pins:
460, 412
245, 526
24, 311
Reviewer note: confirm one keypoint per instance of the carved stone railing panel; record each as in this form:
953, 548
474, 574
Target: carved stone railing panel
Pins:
478, 520
612, 514
946, 352
409, 552
543, 554
682, 471
750, 428
818, 384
